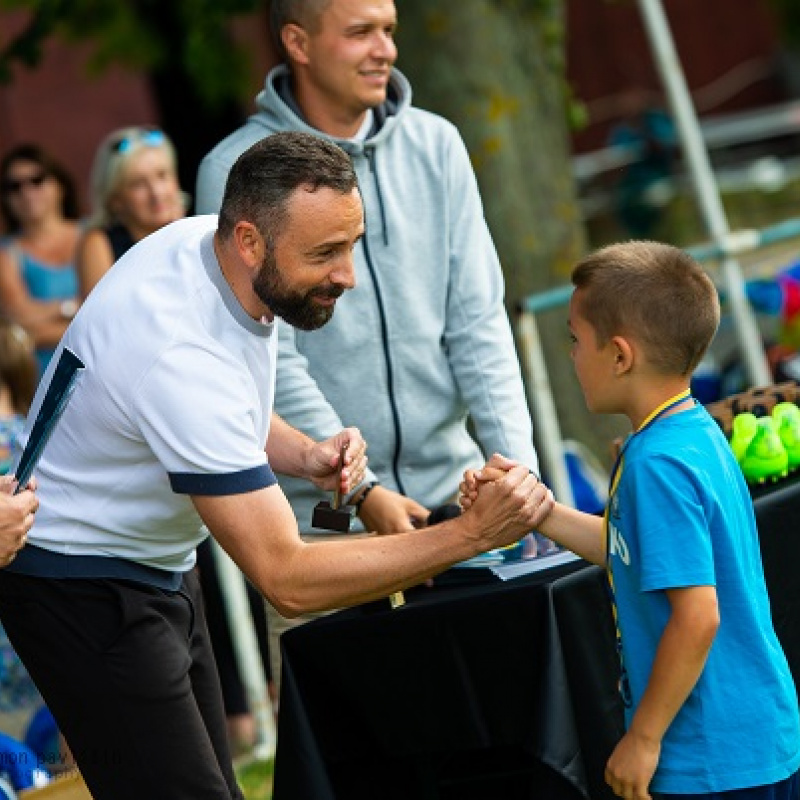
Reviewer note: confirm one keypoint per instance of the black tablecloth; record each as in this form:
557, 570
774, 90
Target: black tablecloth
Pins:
495, 691
778, 516
488, 691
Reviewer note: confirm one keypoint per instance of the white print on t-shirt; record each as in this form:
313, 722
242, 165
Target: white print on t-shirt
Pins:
618, 545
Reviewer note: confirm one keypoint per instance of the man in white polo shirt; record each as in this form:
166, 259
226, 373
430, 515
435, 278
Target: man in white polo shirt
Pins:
167, 430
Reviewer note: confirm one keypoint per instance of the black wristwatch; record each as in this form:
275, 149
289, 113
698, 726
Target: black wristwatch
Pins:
363, 496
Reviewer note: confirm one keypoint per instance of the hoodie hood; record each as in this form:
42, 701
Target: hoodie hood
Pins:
278, 110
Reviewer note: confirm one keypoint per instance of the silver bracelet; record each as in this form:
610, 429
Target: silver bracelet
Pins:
68, 308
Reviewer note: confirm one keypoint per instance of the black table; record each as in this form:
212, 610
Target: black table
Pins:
495, 691
778, 515
489, 690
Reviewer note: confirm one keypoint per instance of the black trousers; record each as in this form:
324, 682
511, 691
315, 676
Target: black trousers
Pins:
234, 694
128, 672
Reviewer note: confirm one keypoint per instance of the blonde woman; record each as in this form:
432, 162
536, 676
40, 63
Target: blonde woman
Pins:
135, 191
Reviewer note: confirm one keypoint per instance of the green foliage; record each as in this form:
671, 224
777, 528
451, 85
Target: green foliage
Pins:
153, 35
788, 12
255, 779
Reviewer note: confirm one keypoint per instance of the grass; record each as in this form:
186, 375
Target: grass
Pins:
255, 778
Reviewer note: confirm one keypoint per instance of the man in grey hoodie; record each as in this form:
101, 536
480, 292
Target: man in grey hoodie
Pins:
423, 342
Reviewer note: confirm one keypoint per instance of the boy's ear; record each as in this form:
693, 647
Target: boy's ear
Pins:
623, 355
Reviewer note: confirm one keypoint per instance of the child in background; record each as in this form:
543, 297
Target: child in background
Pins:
710, 704
18, 378
20, 702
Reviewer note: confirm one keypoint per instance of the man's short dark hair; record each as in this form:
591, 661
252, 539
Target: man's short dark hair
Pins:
265, 176
304, 13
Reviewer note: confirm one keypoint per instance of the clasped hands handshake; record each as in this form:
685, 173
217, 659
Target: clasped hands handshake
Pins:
505, 500
510, 499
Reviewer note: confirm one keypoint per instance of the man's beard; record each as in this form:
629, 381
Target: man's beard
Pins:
296, 308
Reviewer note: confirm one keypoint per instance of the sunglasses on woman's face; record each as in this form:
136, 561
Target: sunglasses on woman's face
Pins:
16, 185
151, 137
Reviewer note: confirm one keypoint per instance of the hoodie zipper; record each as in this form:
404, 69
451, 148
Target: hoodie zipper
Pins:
370, 154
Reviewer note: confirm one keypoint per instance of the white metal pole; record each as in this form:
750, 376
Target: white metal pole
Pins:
545, 416
245, 646
705, 187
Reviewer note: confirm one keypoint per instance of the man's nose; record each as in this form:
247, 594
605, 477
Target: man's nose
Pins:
384, 47
344, 273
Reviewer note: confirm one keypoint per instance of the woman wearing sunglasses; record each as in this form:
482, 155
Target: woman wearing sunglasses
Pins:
38, 282
135, 191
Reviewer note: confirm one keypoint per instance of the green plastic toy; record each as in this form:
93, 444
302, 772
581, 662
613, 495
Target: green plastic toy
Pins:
743, 429
787, 419
758, 448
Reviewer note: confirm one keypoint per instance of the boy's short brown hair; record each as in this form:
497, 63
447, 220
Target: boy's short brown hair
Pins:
654, 293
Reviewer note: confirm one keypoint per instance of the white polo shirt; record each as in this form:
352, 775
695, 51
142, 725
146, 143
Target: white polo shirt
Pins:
175, 400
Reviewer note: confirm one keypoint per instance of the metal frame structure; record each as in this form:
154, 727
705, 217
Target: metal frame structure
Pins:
540, 396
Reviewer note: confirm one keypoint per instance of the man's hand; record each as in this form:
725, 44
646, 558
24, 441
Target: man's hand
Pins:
16, 517
494, 469
632, 765
385, 511
506, 503
322, 463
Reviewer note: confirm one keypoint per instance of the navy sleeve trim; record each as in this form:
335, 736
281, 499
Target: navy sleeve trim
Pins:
246, 480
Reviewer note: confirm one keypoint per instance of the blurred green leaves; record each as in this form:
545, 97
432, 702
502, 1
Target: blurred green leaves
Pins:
149, 35
788, 13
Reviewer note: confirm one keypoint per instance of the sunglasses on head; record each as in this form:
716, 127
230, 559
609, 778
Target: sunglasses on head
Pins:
14, 185
149, 137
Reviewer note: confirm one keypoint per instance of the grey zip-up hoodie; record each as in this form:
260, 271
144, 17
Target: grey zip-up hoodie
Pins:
423, 341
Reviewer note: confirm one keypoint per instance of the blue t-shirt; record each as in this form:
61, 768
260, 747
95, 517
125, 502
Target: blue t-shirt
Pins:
682, 516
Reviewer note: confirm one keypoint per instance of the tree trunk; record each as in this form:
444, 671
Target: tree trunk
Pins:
495, 68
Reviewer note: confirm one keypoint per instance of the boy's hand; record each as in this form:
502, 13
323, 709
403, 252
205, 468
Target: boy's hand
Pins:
632, 766
507, 508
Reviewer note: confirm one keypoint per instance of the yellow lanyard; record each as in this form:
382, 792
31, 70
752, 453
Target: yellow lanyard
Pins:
616, 473
655, 414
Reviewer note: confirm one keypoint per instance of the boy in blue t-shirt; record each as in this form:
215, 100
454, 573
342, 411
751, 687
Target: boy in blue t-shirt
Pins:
710, 702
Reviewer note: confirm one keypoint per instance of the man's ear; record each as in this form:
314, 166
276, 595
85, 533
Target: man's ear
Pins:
295, 42
624, 355
249, 244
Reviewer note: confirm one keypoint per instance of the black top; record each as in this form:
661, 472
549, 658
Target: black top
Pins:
119, 238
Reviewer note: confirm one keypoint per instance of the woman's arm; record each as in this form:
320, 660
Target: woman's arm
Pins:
94, 258
45, 320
